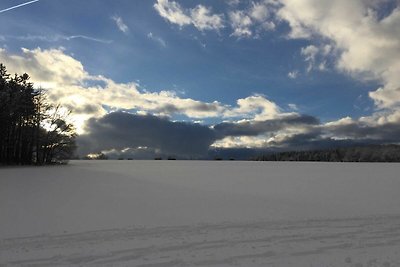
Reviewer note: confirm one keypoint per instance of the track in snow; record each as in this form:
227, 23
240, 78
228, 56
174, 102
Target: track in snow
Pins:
358, 242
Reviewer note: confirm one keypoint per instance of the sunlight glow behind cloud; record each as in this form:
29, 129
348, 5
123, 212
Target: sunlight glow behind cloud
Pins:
65, 79
244, 47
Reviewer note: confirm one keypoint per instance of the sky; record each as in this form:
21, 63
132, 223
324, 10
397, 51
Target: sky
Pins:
198, 78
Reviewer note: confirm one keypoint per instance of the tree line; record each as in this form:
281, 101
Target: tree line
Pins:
32, 131
369, 153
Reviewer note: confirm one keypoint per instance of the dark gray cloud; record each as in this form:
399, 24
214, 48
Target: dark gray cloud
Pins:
121, 130
146, 136
254, 128
389, 132
168, 109
341, 135
205, 106
83, 109
197, 106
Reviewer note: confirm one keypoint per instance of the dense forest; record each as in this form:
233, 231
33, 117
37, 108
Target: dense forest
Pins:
370, 153
32, 131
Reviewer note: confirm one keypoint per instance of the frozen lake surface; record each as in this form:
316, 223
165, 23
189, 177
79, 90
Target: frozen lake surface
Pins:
200, 213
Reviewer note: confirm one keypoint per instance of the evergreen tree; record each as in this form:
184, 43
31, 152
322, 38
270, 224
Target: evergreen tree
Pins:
32, 131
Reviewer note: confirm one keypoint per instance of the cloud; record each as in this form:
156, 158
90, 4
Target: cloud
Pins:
259, 11
364, 129
46, 67
172, 12
342, 132
72, 37
257, 106
257, 122
69, 84
203, 19
54, 38
157, 39
253, 20
119, 130
365, 34
317, 58
293, 106
256, 18
310, 54
241, 23
200, 16
255, 128
120, 24
121, 133
294, 131
232, 2
262, 134
293, 74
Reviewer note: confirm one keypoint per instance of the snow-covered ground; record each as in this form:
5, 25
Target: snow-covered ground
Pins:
199, 213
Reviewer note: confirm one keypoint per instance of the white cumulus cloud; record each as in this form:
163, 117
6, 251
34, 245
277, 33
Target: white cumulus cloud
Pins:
253, 20
368, 42
200, 16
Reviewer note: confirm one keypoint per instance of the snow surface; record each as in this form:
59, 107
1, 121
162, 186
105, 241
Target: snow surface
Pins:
200, 213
